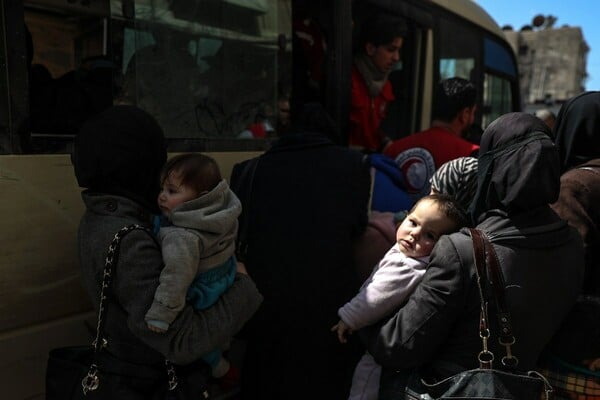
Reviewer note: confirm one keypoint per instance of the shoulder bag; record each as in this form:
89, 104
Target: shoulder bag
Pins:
91, 372
485, 382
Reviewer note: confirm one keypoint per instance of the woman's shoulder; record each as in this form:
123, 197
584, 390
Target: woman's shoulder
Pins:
457, 242
453, 251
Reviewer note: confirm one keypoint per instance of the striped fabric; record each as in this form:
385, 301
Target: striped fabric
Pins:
457, 178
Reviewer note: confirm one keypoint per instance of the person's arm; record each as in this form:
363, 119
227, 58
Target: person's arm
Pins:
192, 333
573, 204
413, 335
386, 289
180, 252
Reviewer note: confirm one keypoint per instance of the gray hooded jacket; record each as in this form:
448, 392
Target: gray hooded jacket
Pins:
202, 237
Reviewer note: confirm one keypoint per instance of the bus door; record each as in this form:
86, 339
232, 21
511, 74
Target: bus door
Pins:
467, 51
410, 78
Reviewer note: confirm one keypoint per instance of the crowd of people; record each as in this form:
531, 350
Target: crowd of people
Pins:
332, 297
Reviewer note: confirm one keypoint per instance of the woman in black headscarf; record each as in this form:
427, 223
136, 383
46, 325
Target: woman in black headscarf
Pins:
577, 130
436, 332
575, 350
578, 139
118, 156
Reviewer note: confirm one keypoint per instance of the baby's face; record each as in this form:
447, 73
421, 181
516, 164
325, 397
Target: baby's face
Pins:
421, 229
174, 193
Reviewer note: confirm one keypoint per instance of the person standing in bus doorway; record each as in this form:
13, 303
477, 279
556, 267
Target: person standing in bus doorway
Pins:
419, 155
303, 207
381, 38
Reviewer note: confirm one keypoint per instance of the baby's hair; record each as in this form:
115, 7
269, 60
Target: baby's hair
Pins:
449, 207
195, 170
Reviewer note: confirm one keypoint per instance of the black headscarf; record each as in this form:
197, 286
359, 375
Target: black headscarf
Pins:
121, 151
518, 166
577, 130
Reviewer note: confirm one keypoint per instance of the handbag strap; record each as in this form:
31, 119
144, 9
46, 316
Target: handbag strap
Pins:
112, 257
485, 255
91, 381
485, 356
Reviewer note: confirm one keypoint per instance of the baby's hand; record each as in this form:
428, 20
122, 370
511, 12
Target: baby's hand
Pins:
156, 329
342, 331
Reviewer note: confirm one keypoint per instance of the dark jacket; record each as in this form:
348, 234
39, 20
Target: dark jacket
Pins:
578, 204
192, 334
540, 256
308, 205
577, 133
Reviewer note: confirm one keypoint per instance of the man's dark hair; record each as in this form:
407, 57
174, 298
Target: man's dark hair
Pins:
382, 29
451, 97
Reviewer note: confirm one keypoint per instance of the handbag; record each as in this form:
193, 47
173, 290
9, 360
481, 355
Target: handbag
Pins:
91, 372
484, 382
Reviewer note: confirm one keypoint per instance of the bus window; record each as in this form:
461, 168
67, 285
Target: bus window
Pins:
460, 55
471, 53
70, 76
497, 97
459, 51
456, 67
207, 77
497, 85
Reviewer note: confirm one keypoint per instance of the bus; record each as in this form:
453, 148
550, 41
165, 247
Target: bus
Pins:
219, 76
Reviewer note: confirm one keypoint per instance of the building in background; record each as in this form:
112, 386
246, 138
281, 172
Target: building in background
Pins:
552, 62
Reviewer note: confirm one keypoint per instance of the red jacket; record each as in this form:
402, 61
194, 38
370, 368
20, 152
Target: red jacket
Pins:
366, 113
419, 155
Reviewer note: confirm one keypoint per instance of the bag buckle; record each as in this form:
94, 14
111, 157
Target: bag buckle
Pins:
485, 356
509, 360
90, 382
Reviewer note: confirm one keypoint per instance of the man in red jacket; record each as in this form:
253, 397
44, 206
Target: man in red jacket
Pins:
420, 154
381, 40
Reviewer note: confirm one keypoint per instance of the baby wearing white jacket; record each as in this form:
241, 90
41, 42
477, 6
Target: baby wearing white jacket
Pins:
394, 278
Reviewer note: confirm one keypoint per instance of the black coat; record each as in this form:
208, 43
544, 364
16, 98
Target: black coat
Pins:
308, 205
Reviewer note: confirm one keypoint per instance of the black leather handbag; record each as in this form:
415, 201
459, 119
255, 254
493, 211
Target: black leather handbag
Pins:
91, 372
485, 382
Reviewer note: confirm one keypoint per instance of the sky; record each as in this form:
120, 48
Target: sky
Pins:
581, 13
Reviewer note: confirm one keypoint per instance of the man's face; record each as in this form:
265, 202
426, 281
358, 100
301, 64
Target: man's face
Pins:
385, 56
